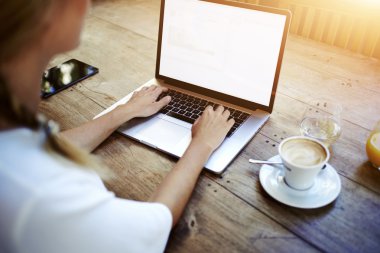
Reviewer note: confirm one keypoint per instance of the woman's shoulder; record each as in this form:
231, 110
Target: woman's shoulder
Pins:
24, 159
30, 177
27, 170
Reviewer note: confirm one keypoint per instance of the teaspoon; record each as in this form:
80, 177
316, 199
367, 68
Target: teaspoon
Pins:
264, 162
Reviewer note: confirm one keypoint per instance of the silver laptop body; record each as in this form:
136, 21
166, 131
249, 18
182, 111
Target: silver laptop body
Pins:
225, 52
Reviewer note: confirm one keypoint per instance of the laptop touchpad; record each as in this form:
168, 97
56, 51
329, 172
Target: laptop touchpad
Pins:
162, 133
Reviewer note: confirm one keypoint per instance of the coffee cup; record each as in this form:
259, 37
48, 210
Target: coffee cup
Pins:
303, 158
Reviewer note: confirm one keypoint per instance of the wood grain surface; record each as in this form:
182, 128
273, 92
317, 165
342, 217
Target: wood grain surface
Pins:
232, 212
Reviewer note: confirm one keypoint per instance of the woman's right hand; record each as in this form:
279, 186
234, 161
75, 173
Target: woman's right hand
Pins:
212, 127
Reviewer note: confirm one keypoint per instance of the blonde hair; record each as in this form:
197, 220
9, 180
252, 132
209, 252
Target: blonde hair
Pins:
21, 23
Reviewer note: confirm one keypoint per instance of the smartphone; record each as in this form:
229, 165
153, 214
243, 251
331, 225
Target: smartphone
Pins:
65, 75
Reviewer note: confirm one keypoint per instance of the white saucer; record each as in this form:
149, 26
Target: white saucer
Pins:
325, 189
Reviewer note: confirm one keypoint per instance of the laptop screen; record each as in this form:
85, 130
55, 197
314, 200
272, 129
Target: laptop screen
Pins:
228, 49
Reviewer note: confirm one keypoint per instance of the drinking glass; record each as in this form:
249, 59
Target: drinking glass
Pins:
321, 120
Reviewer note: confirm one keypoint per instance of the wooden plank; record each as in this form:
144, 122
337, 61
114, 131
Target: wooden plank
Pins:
308, 22
349, 7
320, 28
335, 24
340, 39
270, 3
333, 28
349, 31
284, 4
376, 41
296, 17
61, 107
376, 49
292, 9
370, 38
252, 1
314, 27
357, 34
326, 31
302, 19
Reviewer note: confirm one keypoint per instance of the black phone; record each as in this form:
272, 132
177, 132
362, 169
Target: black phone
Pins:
65, 75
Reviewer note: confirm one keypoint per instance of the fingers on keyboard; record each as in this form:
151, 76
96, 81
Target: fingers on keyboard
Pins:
188, 108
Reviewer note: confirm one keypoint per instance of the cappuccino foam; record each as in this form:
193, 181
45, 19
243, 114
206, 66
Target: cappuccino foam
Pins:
303, 152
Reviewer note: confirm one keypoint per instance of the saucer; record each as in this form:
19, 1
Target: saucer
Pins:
325, 189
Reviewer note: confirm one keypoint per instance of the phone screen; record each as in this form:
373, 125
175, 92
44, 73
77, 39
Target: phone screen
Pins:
65, 75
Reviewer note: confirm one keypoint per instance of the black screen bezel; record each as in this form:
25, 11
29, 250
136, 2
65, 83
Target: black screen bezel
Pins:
218, 95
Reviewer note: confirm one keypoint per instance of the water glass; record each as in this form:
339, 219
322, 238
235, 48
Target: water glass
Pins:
321, 120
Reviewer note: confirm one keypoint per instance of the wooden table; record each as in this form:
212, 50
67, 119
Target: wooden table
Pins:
232, 212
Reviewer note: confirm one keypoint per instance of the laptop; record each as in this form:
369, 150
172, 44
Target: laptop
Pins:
213, 53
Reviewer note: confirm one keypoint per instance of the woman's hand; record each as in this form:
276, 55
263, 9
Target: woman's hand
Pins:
208, 133
143, 102
212, 127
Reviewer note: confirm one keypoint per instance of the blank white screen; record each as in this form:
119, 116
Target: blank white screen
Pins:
223, 48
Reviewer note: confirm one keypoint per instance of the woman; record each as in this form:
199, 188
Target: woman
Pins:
50, 202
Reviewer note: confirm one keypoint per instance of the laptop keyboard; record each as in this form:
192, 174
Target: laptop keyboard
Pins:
188, 108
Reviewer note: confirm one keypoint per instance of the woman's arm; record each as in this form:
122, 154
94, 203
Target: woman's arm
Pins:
142, 104
208, 133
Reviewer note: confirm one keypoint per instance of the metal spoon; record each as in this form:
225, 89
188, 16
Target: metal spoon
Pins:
274, 162
264, 162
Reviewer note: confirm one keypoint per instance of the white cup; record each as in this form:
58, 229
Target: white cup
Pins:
303, 158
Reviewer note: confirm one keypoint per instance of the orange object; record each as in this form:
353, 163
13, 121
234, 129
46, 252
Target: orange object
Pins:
373, 147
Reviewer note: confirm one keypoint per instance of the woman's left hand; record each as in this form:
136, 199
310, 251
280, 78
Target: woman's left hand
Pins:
143, 102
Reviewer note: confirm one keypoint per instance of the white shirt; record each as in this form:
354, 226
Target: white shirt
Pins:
47, 205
